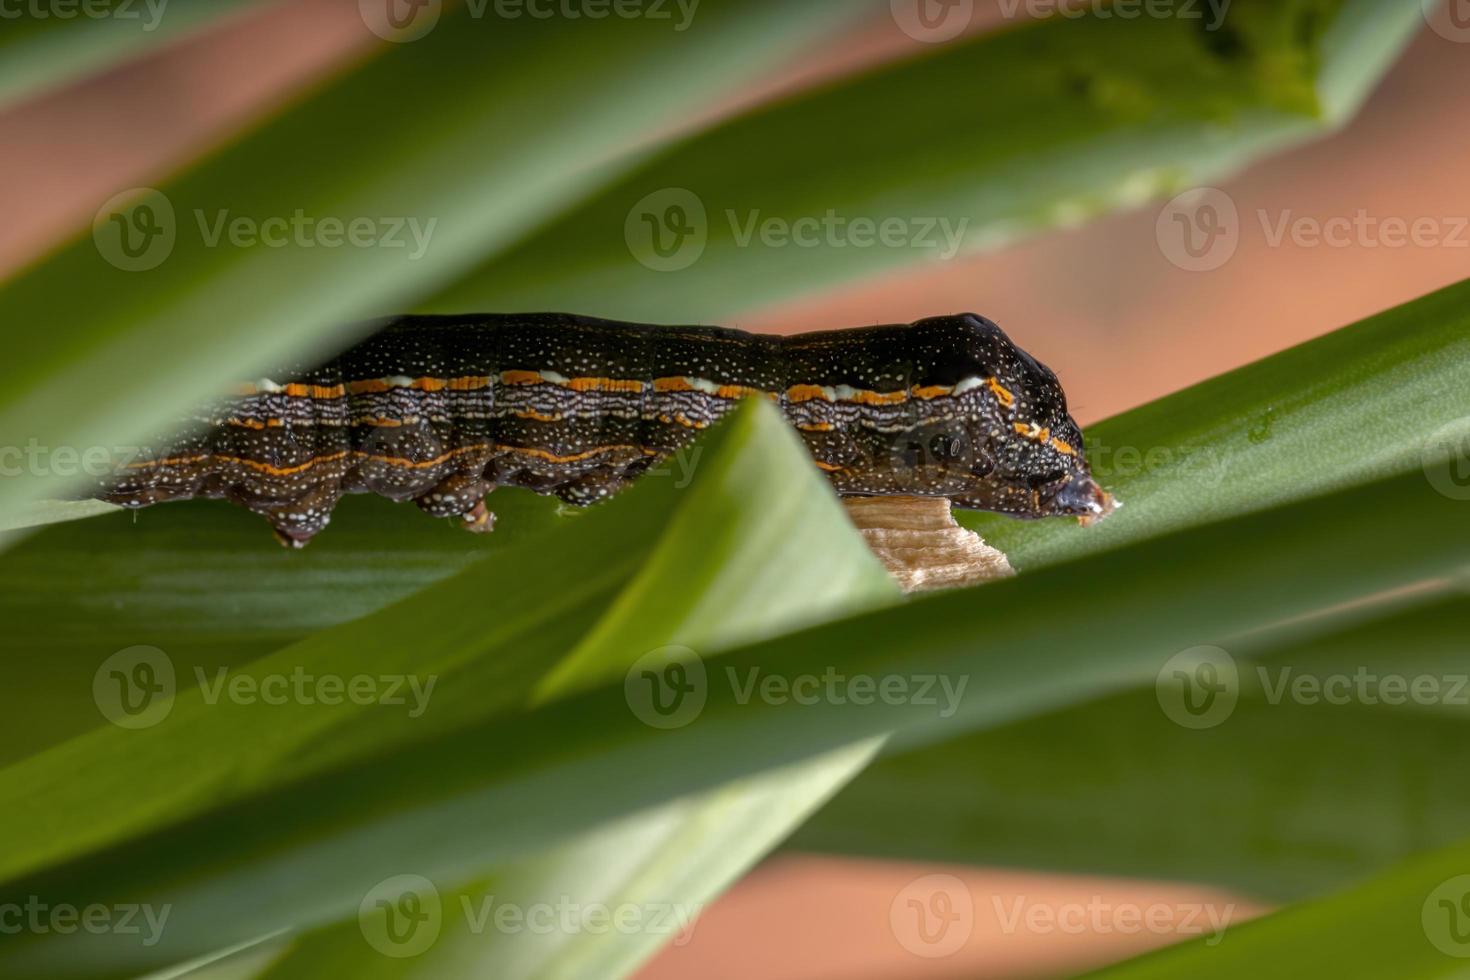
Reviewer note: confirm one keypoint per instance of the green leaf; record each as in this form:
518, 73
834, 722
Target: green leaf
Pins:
980, 143
1117, 787
1055, 637
44, 45
1411, 923
573, 606
206, 582
441, 149
698, 590
1384, 396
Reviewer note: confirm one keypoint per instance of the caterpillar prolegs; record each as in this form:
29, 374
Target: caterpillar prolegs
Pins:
443, 409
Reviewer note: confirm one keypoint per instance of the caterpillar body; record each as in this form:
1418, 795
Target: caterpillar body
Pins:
443, 409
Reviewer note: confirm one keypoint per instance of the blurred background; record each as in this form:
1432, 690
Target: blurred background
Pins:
1114, 306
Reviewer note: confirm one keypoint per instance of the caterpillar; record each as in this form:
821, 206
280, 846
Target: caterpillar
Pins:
443, 409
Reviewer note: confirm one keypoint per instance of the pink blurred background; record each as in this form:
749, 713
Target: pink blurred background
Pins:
1101, 304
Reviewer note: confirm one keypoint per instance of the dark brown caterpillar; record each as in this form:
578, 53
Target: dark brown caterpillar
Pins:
441, 410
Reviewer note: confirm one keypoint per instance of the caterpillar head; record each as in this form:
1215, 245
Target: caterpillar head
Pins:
1025, 454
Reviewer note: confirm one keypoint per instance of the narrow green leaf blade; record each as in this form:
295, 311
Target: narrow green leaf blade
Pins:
1411, 923
1383, 396
582, 761
1356, 723
981, 142
574, 605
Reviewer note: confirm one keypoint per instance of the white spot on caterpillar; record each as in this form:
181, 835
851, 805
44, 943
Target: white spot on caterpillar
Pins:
268, 386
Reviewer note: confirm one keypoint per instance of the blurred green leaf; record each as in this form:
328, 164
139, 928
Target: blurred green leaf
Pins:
582, 761
666, 863
971, 146
1412, 923
205, 582
43, 45
572, 607
1117, 787
436, 152
1386, 395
